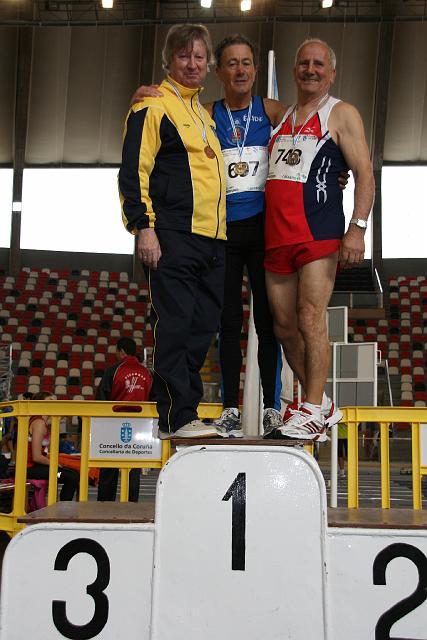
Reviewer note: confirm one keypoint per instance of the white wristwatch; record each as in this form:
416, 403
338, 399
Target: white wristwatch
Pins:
359, 222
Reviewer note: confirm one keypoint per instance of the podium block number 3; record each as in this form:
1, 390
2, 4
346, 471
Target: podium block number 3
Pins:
237, 493
95, 590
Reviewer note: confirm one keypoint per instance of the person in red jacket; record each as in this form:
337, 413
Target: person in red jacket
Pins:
129, 380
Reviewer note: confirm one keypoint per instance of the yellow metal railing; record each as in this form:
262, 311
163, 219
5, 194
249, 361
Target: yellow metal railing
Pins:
385, 416
58, 409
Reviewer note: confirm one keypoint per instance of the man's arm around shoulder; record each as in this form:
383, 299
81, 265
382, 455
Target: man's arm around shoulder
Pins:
275, 110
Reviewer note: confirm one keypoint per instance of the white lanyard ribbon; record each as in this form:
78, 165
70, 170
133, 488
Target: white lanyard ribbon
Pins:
241, 147
199, 107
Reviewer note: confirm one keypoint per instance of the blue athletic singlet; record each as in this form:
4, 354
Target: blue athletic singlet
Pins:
245, 193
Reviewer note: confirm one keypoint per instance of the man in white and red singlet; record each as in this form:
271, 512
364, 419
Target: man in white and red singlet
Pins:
318, 138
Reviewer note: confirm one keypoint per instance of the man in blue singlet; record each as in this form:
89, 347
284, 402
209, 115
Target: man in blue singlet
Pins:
243, 125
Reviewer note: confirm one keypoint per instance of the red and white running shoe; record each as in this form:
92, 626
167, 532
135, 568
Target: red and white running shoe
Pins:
303, 425
331, 414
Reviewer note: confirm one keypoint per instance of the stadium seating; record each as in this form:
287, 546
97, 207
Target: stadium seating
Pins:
63, 327
402, 337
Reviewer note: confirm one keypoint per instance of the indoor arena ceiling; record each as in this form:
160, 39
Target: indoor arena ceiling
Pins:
134, 12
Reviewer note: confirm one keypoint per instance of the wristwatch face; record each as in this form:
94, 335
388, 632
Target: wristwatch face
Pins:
362, 224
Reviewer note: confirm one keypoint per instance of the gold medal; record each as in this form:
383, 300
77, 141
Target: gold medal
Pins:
293, 157
241, 168
209, 152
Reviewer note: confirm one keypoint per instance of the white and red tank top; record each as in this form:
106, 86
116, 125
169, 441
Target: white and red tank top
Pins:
303, 197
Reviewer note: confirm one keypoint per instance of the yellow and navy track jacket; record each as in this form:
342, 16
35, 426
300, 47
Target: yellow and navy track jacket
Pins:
166, 181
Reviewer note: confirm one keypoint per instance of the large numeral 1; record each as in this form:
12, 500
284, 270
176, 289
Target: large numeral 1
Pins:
95, 590
237, 492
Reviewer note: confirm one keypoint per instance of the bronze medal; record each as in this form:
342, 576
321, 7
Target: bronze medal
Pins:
209, 152
241, 168
293, 157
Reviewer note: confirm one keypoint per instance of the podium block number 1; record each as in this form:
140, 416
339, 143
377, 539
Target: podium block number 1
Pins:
224, 516
237, 493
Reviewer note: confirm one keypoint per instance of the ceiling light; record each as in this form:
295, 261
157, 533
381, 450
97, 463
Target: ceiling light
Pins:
206, 4
245, 5
107, 4
327, 4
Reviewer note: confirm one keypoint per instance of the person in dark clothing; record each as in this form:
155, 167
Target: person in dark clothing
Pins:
128, 379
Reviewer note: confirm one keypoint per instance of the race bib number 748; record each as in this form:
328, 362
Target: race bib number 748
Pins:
289, 161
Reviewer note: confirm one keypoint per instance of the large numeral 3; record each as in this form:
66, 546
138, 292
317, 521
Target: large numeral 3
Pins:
95, 590
405, 606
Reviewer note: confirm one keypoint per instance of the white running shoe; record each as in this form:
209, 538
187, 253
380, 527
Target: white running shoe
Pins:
228, 424
331, 414
193, 429
303, 425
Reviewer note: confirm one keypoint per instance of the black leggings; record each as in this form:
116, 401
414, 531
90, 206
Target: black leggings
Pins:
69, 478
245, 247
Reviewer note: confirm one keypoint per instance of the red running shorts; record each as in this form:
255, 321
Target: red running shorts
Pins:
289, 258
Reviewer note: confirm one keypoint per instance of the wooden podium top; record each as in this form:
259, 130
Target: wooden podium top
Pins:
143, 512
245, 440
370, 518
93, 512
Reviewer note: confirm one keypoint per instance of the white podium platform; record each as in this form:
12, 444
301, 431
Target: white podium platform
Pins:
239, 549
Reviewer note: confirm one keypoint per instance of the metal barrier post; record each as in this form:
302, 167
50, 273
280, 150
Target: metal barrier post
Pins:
416, 467
84, 460
353, 480
52, 494
21, 466
124, 484
385, 465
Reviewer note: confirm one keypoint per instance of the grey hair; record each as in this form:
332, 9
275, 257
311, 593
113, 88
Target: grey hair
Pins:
180, 36
331, 52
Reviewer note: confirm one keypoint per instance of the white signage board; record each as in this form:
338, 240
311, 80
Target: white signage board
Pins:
124, 439
78, 581
240, 546
423, 444
378, 584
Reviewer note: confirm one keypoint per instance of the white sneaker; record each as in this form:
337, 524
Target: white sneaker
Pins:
303, 425
228, 425
331, 414
341, 473
194, 429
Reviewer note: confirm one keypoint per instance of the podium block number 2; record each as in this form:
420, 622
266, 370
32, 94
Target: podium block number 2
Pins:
237, 493
95, 590
414, 600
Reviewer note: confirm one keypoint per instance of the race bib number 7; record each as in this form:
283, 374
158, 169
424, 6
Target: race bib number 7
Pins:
290, 161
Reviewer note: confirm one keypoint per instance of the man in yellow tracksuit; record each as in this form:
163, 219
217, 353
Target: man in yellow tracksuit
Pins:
172, 189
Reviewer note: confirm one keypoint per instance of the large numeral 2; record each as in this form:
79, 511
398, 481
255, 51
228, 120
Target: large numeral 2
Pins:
405, 606
237, 492
95, 590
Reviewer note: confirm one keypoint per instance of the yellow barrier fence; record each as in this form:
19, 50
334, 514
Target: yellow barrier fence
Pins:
385, 416
58, 409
